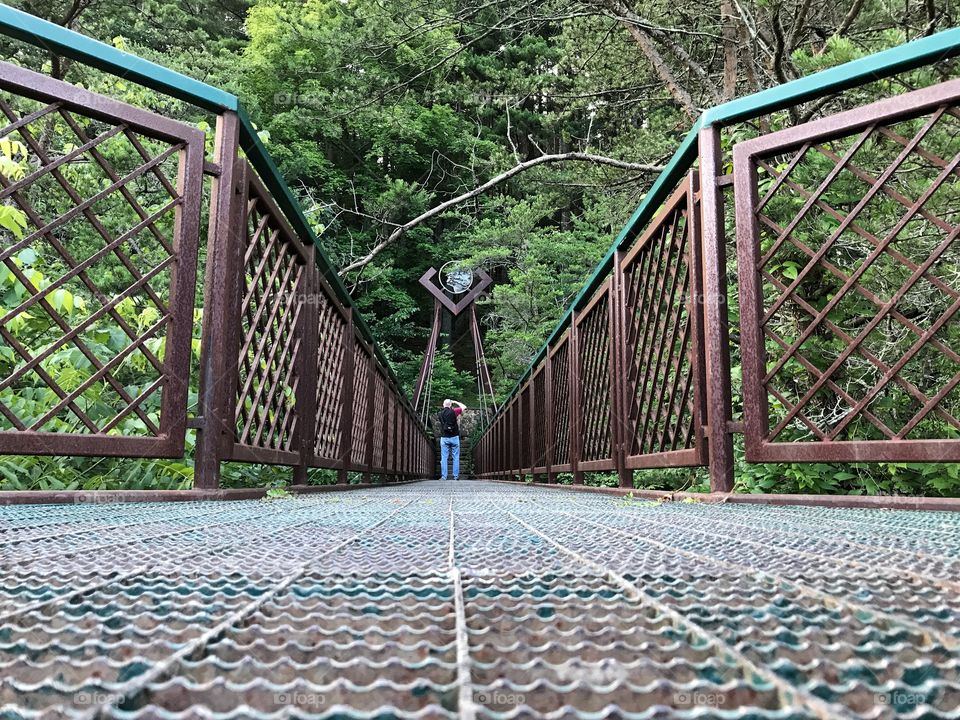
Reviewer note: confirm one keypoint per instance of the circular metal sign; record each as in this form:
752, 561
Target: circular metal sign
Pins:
456, 279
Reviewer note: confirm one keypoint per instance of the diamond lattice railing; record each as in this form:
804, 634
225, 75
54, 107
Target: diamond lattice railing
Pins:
361, 390
538, 428
560, 378
593, 344
377, 421
331, 328
859, 265
271, 309
98, 233
99, 225
661, 332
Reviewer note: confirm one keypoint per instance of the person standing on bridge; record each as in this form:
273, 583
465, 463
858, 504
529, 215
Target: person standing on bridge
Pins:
450, 437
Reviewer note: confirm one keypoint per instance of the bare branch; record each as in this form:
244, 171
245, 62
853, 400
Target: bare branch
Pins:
848, 21
399, 231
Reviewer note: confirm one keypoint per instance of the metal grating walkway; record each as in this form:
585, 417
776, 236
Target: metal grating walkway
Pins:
477, 600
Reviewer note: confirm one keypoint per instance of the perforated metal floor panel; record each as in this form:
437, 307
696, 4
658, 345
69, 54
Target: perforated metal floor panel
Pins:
478, 600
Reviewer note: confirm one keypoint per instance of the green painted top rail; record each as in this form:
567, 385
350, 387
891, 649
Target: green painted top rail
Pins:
61, 41
858, 72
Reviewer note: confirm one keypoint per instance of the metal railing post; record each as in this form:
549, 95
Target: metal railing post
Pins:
576, 419
510, 434
619, 407
393, 420
306, 395
526, 446
717, 350
218, 368
548, 420
346, 400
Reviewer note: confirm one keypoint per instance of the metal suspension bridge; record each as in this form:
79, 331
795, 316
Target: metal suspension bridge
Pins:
524, 592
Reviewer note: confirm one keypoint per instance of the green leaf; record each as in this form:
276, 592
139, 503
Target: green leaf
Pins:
13, 220
27, 256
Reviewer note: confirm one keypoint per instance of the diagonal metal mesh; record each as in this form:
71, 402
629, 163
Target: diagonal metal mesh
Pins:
659, 293
361, 389
477, 600
595, 370
560, 372
86, 283
329, 379
271, 329
858, 258
537, 426
376, 422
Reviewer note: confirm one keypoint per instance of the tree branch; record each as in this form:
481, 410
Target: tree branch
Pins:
645, 32
400, 230
848, 20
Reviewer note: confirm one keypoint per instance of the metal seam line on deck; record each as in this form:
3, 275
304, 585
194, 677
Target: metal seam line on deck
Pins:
788, 691
465, 704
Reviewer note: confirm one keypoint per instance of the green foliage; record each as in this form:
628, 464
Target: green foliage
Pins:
277, 491
601, 479
447, 381
929, 479
34, 472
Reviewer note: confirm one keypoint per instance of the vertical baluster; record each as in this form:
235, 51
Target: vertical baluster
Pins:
717, 350
346, 399
226, 235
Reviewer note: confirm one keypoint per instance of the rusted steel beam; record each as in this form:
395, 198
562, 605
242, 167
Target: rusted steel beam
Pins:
716, 331
53, 497
875, 502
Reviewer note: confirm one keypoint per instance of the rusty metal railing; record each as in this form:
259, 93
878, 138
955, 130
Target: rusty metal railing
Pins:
100, 222
852, 213
879, 185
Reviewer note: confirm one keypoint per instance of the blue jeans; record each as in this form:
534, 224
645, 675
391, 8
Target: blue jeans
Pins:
449, 445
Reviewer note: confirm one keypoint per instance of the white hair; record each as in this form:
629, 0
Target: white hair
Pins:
447, 403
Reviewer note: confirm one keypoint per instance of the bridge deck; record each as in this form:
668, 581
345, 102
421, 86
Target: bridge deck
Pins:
476, 599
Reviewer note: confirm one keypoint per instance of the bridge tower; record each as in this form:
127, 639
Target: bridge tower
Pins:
457, 289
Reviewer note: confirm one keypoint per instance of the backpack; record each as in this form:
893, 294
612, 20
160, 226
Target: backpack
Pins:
448, 423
